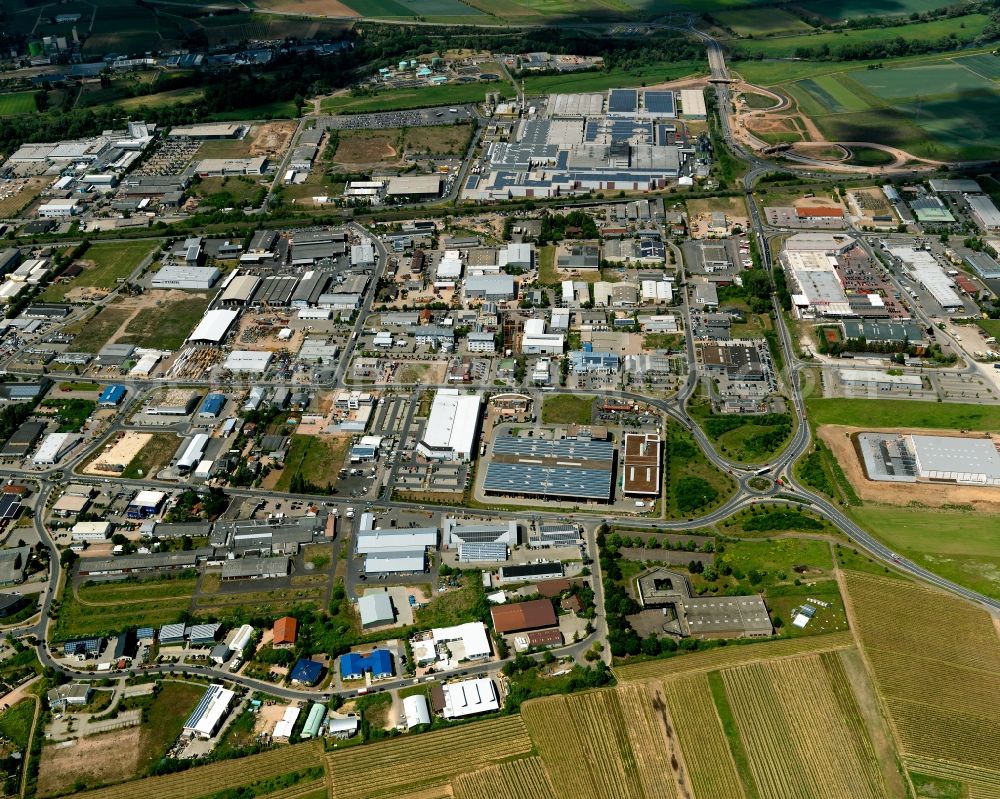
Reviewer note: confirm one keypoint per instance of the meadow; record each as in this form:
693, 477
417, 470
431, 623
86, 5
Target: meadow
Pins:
693, 484
314, 459
968, 554
423, 97
17, 103
903, 413
567, 409
104, 264
964, 28
165, 325
100, 609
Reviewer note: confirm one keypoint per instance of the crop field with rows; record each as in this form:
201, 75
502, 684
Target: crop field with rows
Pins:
513, 779
602, 743
802, 736
709, 762
397, 767
936, 661
206, 780
721, 657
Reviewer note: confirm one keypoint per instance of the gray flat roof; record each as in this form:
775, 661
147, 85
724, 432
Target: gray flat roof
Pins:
951, 455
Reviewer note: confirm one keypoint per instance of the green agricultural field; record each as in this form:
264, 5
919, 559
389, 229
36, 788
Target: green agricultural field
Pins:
413, 8
601, 80
903, 413
964, 28
985, 64
761, 21
104, 263
395, 99
930, 80
12, 105
961, 546
838, 10
826, 94
567, 409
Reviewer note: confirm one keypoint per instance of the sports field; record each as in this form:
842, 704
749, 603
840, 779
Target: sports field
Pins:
17, 103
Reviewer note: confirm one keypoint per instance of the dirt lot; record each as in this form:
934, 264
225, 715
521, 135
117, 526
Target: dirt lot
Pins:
253, 334
369, 146
272, 138
110, 757
838, 438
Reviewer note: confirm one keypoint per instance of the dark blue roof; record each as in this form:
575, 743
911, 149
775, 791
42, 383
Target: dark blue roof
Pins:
114, 393
214, 403
379, 663
307, 672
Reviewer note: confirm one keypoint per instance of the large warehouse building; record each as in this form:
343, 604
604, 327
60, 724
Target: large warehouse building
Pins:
970, 461
451, 429
570, 468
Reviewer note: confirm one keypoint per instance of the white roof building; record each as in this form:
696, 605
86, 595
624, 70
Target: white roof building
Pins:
450, 265
984, 210
969, 461
375, 608
214, 326
517, 254
415, 711
210, 712
384, 562
465, 642
925, 269
53, 447
247, 361
175, 276
469, 698
90, 531
394, 539
283, 729
451, 429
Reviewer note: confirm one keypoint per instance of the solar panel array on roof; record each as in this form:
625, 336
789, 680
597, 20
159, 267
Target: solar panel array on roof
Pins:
660, 104
611, 131
623, 101
563, 468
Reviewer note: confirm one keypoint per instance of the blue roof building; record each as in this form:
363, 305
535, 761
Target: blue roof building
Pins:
111, 396
353, 666
307, 672
212, 406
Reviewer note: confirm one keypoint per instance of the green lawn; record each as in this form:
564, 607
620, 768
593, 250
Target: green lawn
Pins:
395, 99
567, 409
170, 97
962, 546
17, 103
991, 327
750, 438
901, 413
104, 263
